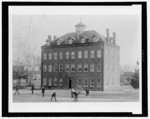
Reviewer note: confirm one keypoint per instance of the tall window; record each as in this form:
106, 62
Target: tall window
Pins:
79, 82
99, 67
55, 82
44, 56
44, 81
85, 54
44, 68
92, 54
72, 55
60, 55
50, 82
79, 68
99, 53
72, 68
98, 83
60, 68
92, 83
92, 67
60, 82
67, 55
86, 83
79, 54
50, 56
85, 67
50, 68
55, 56
67, 68
55, 68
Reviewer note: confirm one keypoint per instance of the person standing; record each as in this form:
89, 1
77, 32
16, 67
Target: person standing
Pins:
32, 89
53, 96
17, 89
43, 90
72, 91
87, 92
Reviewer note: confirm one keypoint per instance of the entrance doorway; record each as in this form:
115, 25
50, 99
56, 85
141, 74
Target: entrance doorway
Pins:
70, 84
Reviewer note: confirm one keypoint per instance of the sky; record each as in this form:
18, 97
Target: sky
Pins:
34, 29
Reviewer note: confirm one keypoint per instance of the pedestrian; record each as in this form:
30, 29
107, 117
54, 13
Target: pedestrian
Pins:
87, 92
72, 91
53, 96
43, 90
32, 89
17, 90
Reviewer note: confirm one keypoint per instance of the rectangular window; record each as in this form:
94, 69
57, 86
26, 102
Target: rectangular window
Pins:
50, 82
67, 55
44, 56
55, 68
72, 68
50, 56
50, 68
55, 56
98, 83
44, 68
79, 54
86, 83
44, 81
91, 67
55, 82
79, 82
72, 55
92, 54
67, 68
85, 67
99, 67
79, 68
99, 53
61, 55
61, 82
60, 68
92, 83
85, 54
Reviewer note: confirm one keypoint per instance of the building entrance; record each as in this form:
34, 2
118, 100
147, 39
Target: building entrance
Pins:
70, 84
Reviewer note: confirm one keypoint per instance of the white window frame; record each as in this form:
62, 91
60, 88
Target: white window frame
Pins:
92, 54
45, 56
55, 82
91, 83
67, 55
98, 83
44, 81
50, 82
60, 82
79, 54
50, 56
99, 69
60, 68
86, 54
60, 55
50, 68
55, 56
85, 66
99, 53
92, 67
67, 67
44, 68
79, 67
85, 83
79, 82
72, 66
72, 55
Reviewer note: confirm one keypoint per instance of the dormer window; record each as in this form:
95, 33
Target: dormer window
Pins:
95, 39
70, 41
83, 40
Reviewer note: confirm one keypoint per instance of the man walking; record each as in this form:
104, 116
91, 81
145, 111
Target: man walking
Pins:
17, 89
43, 90
72, 91
32, 89
53, 96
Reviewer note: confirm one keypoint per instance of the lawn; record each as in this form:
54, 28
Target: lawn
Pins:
124, 94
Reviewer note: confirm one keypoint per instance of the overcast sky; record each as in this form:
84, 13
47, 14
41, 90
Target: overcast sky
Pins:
34, 29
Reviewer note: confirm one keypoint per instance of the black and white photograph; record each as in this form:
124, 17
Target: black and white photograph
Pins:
75, 58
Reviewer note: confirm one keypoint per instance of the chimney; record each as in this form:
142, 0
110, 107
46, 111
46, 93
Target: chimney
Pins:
107, 34
114, 38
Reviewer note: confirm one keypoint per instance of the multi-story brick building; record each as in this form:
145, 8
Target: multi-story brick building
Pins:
83, 58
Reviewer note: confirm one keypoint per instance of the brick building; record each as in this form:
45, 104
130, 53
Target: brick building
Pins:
81, 59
